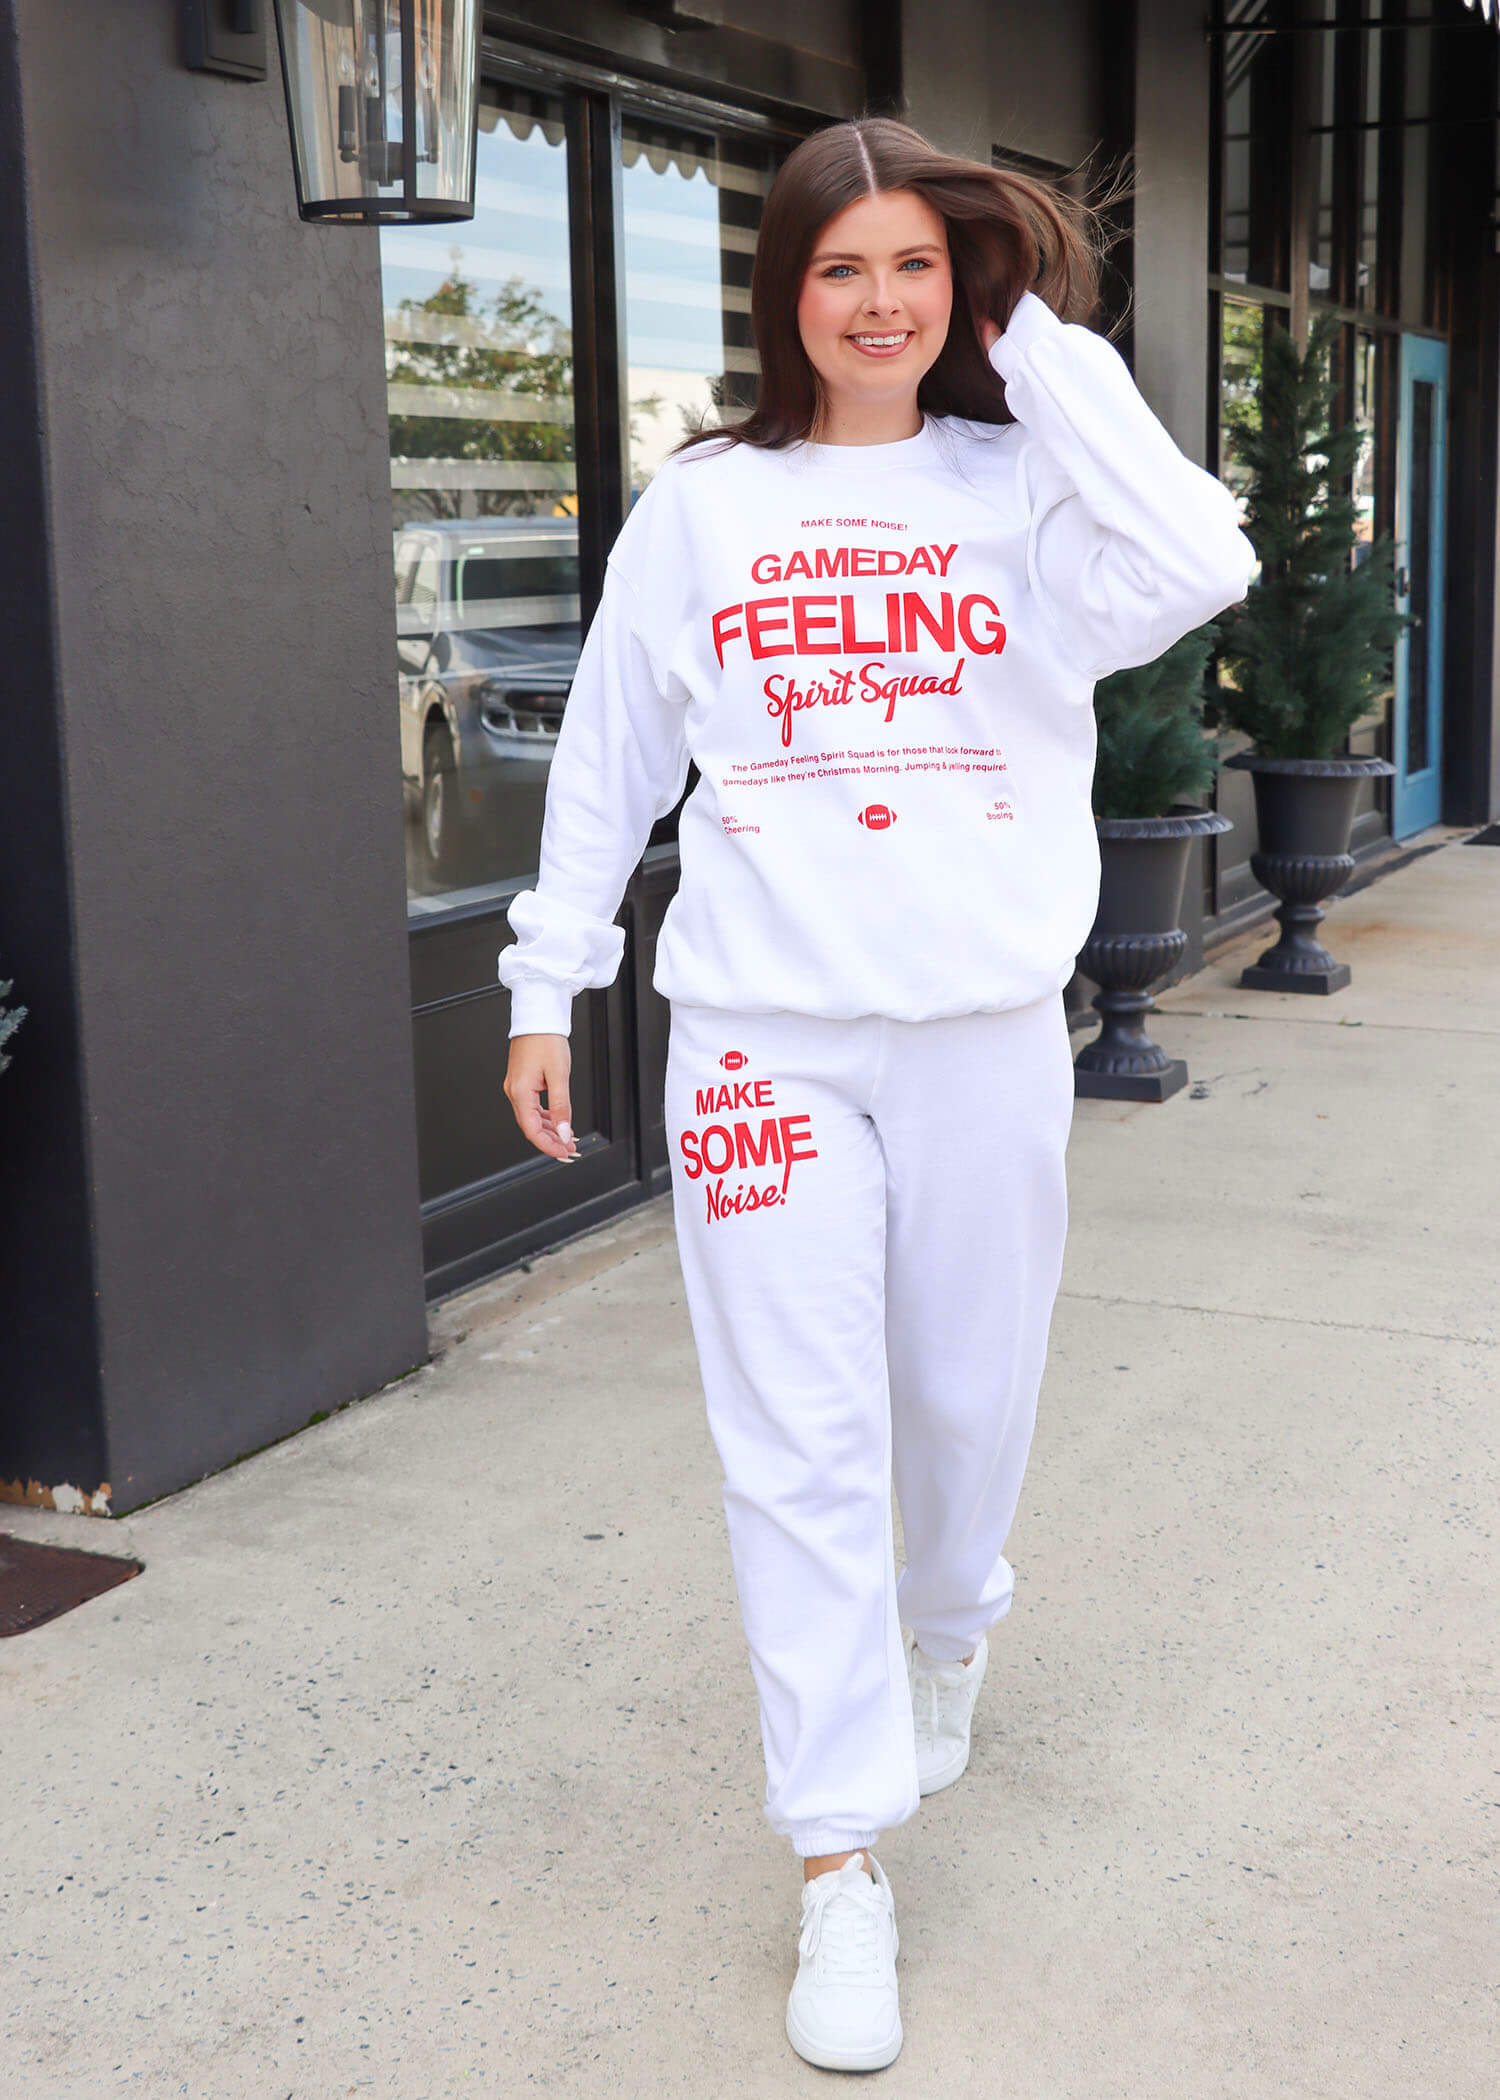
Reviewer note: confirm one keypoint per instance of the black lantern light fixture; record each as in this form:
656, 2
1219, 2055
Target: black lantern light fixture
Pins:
382, 98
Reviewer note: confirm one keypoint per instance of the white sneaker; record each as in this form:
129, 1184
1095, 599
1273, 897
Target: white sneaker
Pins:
942, 1704
843, 2012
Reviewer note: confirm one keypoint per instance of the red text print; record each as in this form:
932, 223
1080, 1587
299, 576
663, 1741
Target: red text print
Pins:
745, 1093
852, 561
724, 1147
876, 817
785, 697
830, 626
746, 1197
883, 760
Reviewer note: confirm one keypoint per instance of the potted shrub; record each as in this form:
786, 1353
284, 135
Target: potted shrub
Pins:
1306, 649
1153, 756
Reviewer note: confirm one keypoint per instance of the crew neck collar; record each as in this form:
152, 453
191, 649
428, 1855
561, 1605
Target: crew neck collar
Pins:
854, 459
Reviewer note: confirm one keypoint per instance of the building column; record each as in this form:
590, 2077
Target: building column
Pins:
211, 1223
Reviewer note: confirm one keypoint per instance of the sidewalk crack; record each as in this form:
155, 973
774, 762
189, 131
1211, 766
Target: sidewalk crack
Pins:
1220, 1013
1285, 1319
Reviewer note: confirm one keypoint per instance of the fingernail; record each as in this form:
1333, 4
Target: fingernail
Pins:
565, 1132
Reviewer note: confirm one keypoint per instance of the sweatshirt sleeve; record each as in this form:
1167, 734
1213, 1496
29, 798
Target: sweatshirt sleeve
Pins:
619, 763
1130, 544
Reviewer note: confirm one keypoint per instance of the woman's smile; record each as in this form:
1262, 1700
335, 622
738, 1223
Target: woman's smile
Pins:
887, 345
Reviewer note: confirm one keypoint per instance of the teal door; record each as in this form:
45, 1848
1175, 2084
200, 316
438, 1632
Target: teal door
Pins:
1421, 460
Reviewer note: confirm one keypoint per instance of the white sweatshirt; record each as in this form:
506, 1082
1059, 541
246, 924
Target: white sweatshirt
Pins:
881, 659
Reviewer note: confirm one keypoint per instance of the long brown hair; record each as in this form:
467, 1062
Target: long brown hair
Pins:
1007, 232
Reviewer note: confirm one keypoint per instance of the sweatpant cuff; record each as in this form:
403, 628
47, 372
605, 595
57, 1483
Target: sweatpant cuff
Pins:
817, 1840
944, 1640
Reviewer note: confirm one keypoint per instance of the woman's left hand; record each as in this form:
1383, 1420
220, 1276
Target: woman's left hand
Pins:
990, 333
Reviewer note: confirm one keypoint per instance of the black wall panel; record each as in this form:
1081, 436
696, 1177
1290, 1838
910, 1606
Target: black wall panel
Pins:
212, 424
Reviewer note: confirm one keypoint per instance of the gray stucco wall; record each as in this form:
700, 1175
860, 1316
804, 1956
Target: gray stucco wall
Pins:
1044, 87
978, 75
213, 433
949, 102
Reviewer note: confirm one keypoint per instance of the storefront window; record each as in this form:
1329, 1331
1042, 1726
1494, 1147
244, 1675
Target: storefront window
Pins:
1254, 101
693, 203
1366, 410
1421, 162
1240, 356
1323, 52
1374, 56
478, 328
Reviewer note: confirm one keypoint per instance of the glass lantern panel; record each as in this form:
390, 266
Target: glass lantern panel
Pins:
479, 366
343, 75
446, 87
692, 205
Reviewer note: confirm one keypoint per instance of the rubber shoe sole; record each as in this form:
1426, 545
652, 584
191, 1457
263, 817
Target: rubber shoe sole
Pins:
873, 2058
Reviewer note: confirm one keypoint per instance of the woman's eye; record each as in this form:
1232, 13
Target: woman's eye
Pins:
917, 262
839, 269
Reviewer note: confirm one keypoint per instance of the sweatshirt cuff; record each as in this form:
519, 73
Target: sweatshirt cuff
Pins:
1030, 319
538, 1007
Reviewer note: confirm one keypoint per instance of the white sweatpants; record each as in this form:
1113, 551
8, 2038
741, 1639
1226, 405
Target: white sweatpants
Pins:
870, 1216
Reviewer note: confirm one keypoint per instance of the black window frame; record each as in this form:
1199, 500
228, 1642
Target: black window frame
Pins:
477, 1218
598, 100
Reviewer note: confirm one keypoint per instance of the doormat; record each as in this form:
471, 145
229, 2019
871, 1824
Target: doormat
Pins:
1490, 837
38, 1582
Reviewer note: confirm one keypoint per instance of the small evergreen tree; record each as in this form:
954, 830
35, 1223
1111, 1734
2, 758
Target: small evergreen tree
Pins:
1152, 747
1310, 646
11, 1018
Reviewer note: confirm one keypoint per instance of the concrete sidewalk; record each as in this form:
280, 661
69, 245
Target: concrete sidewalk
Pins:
423, 1760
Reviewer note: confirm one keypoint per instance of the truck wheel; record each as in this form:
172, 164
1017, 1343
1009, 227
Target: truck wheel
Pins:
440, 810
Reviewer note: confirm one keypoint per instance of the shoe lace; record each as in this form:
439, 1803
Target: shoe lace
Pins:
936, 1693
843, 1925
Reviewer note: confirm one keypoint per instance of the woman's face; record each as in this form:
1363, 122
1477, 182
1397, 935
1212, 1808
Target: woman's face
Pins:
875, 301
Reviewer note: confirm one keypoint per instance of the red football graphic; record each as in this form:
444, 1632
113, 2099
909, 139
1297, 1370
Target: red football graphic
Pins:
877, 817
732, 1060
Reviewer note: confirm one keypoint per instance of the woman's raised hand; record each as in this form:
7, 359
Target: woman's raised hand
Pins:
990, 333
539, 1062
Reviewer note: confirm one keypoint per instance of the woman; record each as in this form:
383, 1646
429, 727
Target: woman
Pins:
872, 614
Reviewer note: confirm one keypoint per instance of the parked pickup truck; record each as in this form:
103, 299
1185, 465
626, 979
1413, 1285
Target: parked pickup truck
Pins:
487, 635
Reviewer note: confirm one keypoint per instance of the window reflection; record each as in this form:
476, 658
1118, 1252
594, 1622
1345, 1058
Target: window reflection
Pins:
1322, 52
1375, 53
1366, 370
479, 367
1241, 354
1419, 695
1256, 91
693, 204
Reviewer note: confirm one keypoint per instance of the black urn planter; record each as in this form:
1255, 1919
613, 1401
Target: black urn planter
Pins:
1304, 808
1135, 943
